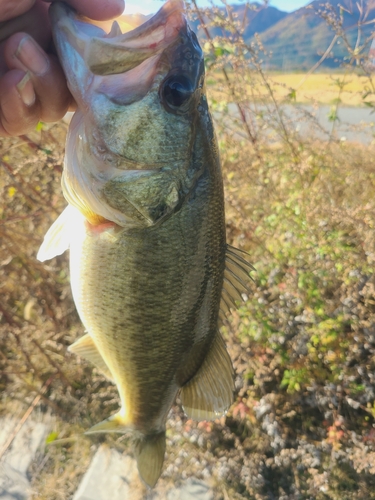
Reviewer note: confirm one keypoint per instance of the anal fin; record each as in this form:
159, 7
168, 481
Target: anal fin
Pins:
209, 394
86, 348
149, 452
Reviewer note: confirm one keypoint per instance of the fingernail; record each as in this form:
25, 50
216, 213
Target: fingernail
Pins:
26, 90
31, 56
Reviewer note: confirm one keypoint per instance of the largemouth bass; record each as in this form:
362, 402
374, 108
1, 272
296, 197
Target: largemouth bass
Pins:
151, 273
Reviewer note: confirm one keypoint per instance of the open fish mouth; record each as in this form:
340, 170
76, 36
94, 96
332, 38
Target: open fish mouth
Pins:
129, 60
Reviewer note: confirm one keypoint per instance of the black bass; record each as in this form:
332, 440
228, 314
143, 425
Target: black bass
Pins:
151, 273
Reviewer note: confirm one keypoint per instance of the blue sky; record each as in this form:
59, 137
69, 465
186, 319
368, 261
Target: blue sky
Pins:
148, 6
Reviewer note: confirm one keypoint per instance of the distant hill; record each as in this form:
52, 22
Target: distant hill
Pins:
298, 40
258, 20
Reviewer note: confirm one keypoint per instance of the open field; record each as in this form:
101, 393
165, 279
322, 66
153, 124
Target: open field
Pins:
298, 88
323, 88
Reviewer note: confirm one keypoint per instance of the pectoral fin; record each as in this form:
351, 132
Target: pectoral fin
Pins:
58, 236
86, 348
209, 394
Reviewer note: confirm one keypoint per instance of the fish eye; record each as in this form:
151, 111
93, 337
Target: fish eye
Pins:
176, 91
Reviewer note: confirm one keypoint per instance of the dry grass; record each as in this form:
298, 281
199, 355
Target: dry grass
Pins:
299, 88
322, 88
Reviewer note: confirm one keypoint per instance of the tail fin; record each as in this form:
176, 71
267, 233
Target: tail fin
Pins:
149, 452
149, 449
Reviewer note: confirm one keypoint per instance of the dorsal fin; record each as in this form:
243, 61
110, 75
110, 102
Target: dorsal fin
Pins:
236, 280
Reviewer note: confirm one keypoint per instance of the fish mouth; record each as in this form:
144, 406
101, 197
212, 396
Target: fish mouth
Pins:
136, 53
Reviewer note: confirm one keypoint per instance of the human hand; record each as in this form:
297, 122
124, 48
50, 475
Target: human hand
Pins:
32, 83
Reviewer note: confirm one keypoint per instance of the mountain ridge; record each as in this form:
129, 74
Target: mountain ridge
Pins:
298, 41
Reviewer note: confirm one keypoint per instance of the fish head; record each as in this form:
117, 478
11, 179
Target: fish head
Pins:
140, 95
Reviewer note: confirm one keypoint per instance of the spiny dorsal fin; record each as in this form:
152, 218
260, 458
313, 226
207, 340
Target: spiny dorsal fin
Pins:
149, 452
236, 279
58, 236
209, 394
86, 348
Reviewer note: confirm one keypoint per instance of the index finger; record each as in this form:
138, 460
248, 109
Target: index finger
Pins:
10, 8
100, 10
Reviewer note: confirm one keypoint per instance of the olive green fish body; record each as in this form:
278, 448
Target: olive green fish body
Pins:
151, 273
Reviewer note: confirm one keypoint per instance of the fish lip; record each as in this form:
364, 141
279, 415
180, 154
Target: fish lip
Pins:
60, 10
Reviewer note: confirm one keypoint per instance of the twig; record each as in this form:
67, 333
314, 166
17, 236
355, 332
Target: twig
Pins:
55, 365
18, 218
8, 317
324, 56
30, 143
18, 183
225, 494
26, 416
